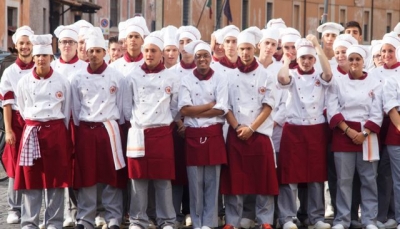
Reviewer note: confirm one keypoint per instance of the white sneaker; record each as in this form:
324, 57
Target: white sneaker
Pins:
380, 225
371, 226
338, 226
390, 223
247, 223
168, 227
134, 227
99, 221
104, 226
68, 222
320, 225
329, 211
13, 218
205, 227
188, 220
42, 226
289, 225
398, 226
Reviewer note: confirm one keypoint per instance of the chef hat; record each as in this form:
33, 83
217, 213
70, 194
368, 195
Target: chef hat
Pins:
397, 29
271, 33
70, 31
188, 31
22, 31
195, 46
169, 36
345, 40
155, 38
289, 35
95, 39
277, 23
121, 30
250, 35
391, 38
227, 31
330, 27
83, 27
41, 44
376, 46
359, 49
136, 24
305, 47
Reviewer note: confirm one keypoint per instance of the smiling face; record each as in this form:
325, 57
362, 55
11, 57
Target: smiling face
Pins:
114, 51
152, 55
24, 46
388, 54
356, 62
289, 48
306, 62
202, 59
340, 55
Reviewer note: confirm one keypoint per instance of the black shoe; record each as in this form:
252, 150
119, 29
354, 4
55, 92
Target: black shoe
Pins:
114, 227
79, 226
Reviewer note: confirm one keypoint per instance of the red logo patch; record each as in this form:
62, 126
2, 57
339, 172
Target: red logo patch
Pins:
59, 94
168, 90
371, 94
113, 89
262, 90
317, 83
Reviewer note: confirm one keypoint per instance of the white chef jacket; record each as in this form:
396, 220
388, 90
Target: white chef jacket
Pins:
44, 99
153, 97
306, 98
126, 67
68, 70
391, 88
99, 97
247, 94
194, 92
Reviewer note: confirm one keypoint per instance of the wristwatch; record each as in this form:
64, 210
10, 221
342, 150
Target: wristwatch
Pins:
365, 133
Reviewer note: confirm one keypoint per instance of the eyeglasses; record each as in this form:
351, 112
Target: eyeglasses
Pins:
377, 56
65, 42
351, 59
205, 56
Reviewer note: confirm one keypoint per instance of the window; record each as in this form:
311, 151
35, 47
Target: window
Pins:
12, 17
388, 22
218, 14
139, 7
342, 17
366, 27
296, 17
245, 16
114, 13
268, 11
44, 21
186, 12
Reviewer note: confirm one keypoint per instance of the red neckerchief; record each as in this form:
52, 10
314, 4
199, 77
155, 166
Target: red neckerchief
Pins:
225, 62
187, 66
130, 59
215, 59
98, 70
364, 75
341, 70
72, 61
247, 68
157, 69
278, 57
293, 64
45, 77
203, 77
301, 72
24, 66
393, 66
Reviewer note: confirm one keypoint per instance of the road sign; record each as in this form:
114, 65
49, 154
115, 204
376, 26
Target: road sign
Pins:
105, 25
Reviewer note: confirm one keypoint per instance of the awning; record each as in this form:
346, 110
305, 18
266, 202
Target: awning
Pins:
80, 5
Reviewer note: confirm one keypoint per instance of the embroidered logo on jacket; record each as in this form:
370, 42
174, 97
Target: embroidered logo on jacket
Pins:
317, 83
113, 89
371, 94
262, 90
59, 94
168, 90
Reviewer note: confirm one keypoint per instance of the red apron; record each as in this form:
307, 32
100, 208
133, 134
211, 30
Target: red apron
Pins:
10, 154
342, 143
251, 166
94, 162
205, 146
158, 162
180, 159
53, 169
302, 156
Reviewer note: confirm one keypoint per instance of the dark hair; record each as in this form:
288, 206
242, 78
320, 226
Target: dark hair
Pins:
353, 24
112, 40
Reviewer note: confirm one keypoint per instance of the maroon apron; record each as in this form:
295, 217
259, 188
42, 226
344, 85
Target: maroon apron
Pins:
205, 146
10, 154
251, 166
158, 162
53, 169
302, 156
94, 162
